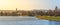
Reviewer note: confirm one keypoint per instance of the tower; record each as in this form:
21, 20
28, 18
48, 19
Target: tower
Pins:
16, 9
56, 11
56, 8
16, 12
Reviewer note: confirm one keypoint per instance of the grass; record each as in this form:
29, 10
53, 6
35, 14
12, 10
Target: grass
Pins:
56, 18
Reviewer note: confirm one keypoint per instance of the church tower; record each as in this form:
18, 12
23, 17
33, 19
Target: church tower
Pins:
56, 8
56, 11
16, 9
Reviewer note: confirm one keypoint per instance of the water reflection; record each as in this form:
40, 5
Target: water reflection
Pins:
54, 23
27, 21
35, 22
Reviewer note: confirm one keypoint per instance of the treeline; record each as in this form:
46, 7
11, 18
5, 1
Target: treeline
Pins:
8, 14
31, 13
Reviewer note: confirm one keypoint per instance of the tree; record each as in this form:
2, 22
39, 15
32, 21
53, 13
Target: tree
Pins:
1, 13
5, 14
50, 13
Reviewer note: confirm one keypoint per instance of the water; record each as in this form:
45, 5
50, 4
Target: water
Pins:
54, 23
25, 20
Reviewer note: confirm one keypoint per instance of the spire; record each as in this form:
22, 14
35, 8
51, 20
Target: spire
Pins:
16, 9
56, 8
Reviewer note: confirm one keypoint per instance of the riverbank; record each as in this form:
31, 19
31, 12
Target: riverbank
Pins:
55, 18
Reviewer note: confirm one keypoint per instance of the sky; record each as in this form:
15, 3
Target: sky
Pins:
28, 4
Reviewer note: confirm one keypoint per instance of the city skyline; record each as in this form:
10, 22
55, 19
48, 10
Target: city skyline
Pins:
28, 4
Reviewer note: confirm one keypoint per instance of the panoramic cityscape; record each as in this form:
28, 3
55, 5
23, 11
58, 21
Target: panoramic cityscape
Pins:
29, 12
55, 12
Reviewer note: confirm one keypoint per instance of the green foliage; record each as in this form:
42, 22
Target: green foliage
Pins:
57, 18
